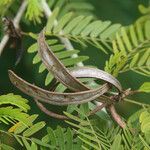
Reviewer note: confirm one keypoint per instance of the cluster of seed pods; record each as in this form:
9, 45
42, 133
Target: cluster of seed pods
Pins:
81, 93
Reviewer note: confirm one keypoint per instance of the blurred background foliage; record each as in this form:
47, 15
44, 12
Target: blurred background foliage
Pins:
124, 12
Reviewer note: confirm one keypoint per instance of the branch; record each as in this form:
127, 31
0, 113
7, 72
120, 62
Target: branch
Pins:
99, 107
116, 116
64, 117
50, 113
16, 24
136, 103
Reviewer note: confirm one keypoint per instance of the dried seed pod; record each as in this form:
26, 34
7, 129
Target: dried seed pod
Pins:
56, 98
67, 77
61, 73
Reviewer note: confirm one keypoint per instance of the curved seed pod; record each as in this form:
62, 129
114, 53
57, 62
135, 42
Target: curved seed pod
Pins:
56, 98
88, 72
64, 76
67, 78
56, 67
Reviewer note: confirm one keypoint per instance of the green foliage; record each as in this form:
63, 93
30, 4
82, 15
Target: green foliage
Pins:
34, 11
24, 133
145, 87
133, 120
91, 135
117, 143
145, 124
82, 29
144, 10
4, 2
87, 134
4, 6
60, 138
77, 6
109, 138
115, 63
131, 51
13, 108
140, 121
6, 147
131, 47
15, 100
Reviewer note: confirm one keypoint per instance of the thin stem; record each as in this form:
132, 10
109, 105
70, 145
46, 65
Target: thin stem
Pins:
63, 117
12, 134
50, 113
98, 108
69, 36
3, 43
133, 68
116, 116
98, 142
136, 48
135, 102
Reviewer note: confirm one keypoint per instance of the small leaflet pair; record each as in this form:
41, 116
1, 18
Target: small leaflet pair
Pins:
81, 94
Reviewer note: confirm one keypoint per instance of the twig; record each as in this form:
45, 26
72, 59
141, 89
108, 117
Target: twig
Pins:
116, 116
16, 24
50, 113
98, 108
3, 43
63, 117
135, 102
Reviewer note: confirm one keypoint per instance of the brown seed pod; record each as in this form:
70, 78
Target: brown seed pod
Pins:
81, 94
